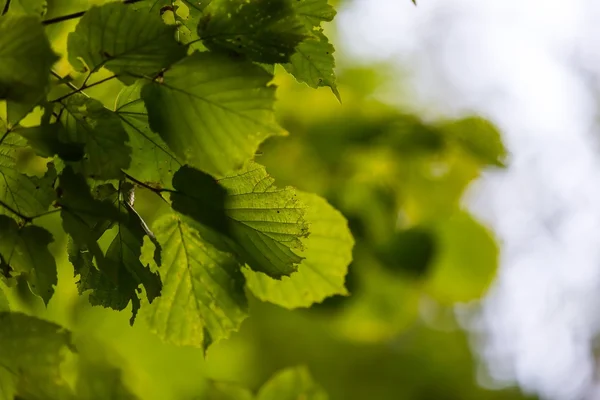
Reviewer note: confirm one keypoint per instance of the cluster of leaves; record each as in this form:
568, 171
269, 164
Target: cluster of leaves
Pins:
195, 102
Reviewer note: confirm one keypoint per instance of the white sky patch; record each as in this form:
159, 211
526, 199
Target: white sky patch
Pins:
518, 63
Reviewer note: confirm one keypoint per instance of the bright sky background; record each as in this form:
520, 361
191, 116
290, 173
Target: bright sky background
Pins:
533, 68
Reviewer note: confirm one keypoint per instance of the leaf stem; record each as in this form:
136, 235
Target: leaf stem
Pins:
79, 14
84, 87
46, 213
18, 214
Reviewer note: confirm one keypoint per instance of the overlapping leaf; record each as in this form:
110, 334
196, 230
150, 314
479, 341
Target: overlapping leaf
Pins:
26, 61
114, 278
4, 306
28, 7
124, 41
212, 111
25, 251
267, 223
151, 159
27, 195
266, 31
321, 274
313, 61
203, 297
88, 123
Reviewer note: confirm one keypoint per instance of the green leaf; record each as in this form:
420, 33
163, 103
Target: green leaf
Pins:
466, 262
200, 197
212, 111
267, 223
313, 63
313, 12
87, 122
321, 274
203, 297
410, 251
28, 7
26, 61
28, 195
123, 264
151, 159
123, 40
479, 138
25, 250
292, 384
32, 353
101, 382
266, 31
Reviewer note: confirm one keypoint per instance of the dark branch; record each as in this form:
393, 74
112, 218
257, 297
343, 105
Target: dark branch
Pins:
12, 210
79, 14
6, 7
158, 191
84, 87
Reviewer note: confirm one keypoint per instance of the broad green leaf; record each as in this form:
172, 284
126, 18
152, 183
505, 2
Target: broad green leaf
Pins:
292, 384
124, 41
28, 195
25, 250
32, 351
313, 12
101, 382
266, 31
28, 7
200, 197
203, 298
313, 63
409, 252
151, 159
212, 111
87, 122
466, 262
479, 138
26, 61
267, 223
321, 274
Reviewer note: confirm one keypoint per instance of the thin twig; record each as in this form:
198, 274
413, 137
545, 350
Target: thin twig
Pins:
12, 210
158, 191
46, 213
4, 136
6, 7
79, 14
84, 87
60, 78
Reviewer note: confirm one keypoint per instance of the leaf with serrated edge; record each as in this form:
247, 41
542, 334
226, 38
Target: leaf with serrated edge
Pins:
28, 195
213, 111
25, 250
292, 384
203, 297
266, 31
267, 222
327, 256
123, 40
313, 63
87, 122
313, 12
151, 159
28, 7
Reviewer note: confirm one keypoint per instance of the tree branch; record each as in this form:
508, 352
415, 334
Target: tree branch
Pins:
18, 214
158, 191
79, 14
6, 7
84, 87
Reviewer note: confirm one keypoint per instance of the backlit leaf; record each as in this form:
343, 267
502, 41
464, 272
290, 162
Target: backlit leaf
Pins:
212, 111
292, 384
321, 274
